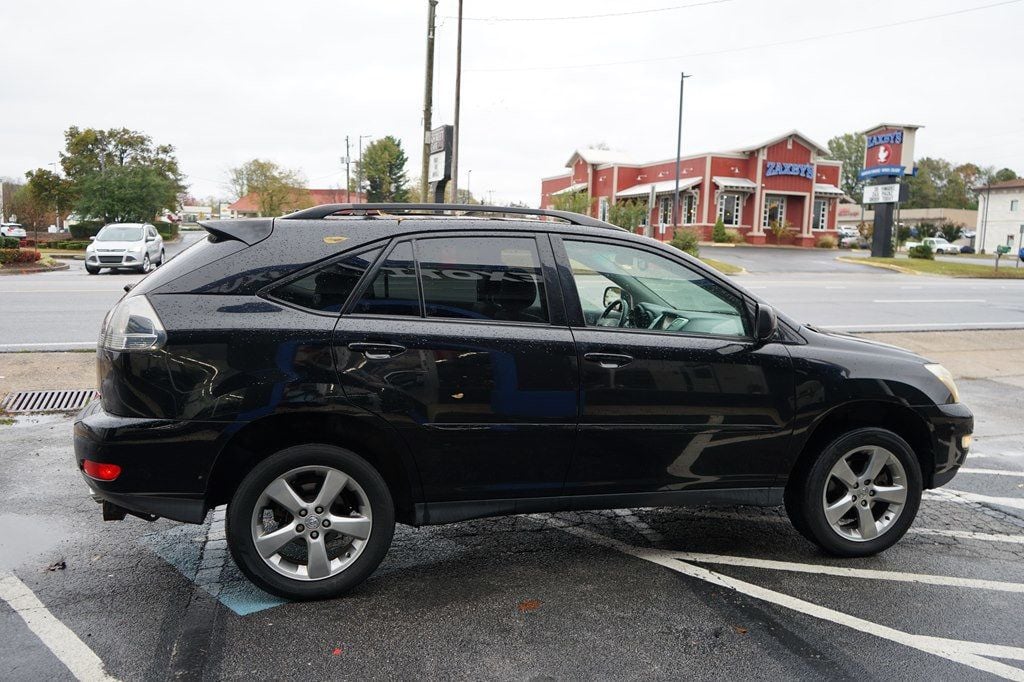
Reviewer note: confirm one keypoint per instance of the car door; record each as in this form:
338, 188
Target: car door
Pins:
152, 243
460, 341
675, 394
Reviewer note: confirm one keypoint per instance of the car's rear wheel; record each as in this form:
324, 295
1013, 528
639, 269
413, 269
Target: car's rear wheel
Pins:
859, 496
310, 522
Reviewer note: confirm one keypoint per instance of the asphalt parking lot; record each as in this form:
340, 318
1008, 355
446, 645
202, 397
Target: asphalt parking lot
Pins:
644, 593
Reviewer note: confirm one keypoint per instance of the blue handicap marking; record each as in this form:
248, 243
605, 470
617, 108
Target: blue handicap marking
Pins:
203, 558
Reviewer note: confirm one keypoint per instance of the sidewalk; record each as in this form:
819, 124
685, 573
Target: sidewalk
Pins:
977, 354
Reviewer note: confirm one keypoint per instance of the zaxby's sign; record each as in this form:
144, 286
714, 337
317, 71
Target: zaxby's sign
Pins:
803, 170
889, 151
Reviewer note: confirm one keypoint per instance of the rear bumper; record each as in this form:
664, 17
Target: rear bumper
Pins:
164, 464
949, 424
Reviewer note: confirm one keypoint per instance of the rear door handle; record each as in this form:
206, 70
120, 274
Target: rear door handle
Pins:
377, 351
609, 360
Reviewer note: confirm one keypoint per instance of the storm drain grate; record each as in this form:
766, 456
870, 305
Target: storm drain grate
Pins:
46, 401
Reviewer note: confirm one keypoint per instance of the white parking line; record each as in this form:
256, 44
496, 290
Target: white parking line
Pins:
47, 345
929, 300
83, 663
962, 497
972, 654
934, 325
846, 572
991, 472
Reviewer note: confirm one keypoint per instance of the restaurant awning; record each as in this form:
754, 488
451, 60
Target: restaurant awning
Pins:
827, 190
735, 184
571, 189
661, 187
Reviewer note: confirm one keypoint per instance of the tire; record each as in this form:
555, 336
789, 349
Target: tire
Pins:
870, 511
92, 270
146, 265
364, 501
163, 257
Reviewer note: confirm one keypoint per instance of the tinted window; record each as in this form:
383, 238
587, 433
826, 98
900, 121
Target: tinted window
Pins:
328, 288
393, 290
482, 278
631, 288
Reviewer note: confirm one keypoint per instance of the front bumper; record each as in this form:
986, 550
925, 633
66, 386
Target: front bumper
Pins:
949, 425
113, 260
165, 464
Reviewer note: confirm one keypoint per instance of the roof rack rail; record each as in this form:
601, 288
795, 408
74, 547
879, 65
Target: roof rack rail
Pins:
369, 210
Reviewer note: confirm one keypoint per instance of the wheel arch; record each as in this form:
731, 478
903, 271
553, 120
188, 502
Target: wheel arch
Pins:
377, 443
895, 417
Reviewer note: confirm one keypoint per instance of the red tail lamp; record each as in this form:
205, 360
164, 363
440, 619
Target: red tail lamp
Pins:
100, 471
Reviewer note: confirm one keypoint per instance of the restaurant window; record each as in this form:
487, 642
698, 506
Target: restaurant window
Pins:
690, 208
665, 211
729, 207
774, 210
602, 208
820, 220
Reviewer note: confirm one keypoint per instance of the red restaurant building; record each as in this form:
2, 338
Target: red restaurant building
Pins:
787, 180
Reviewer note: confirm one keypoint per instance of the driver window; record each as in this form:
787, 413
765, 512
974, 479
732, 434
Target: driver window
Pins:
627, 288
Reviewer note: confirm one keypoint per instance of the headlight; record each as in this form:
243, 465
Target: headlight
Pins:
943, 375
132, 325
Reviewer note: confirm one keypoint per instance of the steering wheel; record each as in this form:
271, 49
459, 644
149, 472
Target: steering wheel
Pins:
623, 316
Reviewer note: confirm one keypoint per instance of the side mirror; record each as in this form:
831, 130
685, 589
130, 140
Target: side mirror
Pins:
611, 294
766, 323
92, 238
150, 239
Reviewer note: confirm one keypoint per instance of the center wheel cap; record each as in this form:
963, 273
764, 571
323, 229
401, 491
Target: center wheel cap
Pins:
311, 522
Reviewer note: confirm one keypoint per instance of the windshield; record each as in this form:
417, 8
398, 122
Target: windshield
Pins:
119, 233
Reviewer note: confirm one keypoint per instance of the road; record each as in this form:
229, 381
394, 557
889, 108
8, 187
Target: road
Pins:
700, 594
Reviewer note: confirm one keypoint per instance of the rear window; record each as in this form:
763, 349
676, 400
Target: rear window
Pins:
328, 288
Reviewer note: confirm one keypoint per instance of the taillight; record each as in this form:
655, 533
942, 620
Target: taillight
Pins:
132, 325
100, 471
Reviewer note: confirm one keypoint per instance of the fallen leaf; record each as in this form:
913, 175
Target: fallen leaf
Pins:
529, 605
57, 566
739, 629
337, 651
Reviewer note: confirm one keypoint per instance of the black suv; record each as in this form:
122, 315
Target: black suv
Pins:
339, 369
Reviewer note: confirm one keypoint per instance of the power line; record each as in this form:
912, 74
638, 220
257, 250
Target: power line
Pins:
758, 46
594, 16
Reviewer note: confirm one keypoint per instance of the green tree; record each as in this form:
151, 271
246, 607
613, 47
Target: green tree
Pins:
951, 231
50, 190
718, 234
902, 234
627, 214
575, 202
926, 229
383, 170
114, 175
849, 149
1004, 175
278, 190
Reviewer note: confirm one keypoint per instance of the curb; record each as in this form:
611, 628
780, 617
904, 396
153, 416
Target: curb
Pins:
26, 271
883, 266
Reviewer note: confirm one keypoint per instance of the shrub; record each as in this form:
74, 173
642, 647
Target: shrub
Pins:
86, 229
686, 240
69, 245
718, 234
921, 251
9, 242
826, 242
733, 236
167, 230
8, 256
780, 230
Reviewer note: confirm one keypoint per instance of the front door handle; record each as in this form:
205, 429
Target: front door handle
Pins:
609, 360
377, 351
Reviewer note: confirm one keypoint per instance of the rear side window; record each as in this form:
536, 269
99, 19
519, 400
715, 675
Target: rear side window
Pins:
486, 279
328, 288
393, 289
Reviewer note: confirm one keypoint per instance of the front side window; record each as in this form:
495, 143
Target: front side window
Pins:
328, 288
820, 215
393, 290
774, 211
492, 278
629, 288
729, 208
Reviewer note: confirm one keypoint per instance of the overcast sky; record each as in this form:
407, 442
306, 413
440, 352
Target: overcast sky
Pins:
225, 82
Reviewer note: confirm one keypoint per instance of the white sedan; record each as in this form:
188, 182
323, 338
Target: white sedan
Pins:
12, 230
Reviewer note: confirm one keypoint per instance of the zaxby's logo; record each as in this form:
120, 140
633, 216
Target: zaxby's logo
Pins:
803, 170
883, 153
880, 147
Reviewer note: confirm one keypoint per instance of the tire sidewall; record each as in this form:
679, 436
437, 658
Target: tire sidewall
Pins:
817, 476
240, 508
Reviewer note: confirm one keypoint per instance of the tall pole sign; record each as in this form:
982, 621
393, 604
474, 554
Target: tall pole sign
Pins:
888, 156
439, 166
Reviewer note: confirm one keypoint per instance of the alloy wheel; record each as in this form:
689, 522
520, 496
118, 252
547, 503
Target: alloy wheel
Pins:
311, 523
865, 493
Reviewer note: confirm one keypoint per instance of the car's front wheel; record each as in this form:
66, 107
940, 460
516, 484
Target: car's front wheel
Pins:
310, 522
859, 496
146, 265
91, 270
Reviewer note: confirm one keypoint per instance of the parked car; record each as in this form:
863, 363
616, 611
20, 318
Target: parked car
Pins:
339, 369
855, 241
966, 248
125, 245
12, 230
847, 231
937, 244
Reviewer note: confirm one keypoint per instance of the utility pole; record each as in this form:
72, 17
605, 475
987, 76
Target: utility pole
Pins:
679, 151
469, 179
359, 170
428, 98
348, 180
458, 94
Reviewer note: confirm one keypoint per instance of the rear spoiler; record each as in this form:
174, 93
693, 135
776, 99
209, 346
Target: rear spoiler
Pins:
246, 230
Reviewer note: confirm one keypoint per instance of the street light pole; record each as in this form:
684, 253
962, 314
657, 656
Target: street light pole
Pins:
348, 178
359, 170
469, 178
679, 151
458, 95
428, 97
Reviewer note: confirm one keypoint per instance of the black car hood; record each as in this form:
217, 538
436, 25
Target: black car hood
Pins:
857, 343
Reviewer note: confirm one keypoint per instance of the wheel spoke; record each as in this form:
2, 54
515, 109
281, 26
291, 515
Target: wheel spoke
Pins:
282, 493
317, 564
836, 510
269, 544
844, 473
354, 526
879, 457
334, 483
866, 523
895, 494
